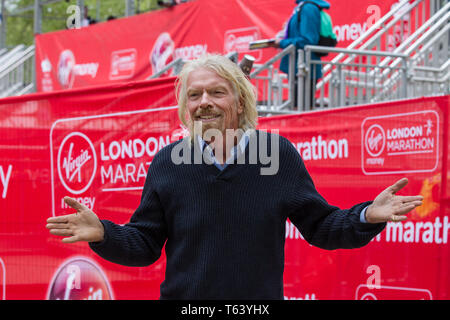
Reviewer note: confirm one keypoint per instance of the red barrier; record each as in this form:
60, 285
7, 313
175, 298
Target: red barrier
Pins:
352, 154
96, 145
137, 47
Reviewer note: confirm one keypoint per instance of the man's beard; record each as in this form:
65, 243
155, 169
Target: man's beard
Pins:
199, 126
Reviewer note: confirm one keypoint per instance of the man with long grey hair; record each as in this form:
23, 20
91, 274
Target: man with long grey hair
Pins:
222, 218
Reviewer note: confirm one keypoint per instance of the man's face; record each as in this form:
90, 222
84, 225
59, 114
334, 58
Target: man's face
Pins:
211, 100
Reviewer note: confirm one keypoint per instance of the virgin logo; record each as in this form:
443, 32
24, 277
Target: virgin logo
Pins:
68, 69
79, 278
66, 63
162, 52
77, 162
375, 140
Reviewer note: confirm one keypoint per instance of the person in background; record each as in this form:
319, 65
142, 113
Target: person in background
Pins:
303, 28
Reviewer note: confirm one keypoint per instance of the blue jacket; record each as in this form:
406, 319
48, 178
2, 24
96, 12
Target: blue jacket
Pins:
305, 33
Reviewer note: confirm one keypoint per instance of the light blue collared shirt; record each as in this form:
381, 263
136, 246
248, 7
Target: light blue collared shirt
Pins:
236, 151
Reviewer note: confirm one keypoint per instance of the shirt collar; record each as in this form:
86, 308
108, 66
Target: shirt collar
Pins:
240, 147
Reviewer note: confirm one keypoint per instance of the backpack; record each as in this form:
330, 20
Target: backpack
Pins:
327, 36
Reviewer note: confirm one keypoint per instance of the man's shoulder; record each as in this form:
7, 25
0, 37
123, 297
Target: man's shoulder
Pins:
272, 140
274, 136
166, 153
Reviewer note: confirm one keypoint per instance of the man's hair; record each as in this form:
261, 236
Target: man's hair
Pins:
244, 91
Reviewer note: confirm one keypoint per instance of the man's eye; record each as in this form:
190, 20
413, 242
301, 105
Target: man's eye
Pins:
193, 95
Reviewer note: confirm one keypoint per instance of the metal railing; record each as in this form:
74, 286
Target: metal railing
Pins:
272, 86
393, 27
364, 72
392, 31
17, 72
361, 81
176, 65
419, 65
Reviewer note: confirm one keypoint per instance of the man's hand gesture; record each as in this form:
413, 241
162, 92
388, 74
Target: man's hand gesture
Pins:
83, 225
389, 207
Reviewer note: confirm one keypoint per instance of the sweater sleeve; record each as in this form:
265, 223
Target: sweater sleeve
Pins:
139, 242
320, 223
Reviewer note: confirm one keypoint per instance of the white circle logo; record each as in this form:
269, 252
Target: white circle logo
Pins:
230, 43
79, 278
369, 296
77, 162
162, 52
66, 65
375, 140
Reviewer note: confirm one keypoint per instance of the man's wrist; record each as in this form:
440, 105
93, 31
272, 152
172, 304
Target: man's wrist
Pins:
366, 214
362, 215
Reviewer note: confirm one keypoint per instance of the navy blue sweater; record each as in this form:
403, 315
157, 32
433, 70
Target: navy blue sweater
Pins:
225, 230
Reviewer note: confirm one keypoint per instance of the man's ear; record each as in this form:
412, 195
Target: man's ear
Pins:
240, 107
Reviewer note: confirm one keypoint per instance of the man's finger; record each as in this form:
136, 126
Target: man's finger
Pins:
398, 218
60, 219
74, 204
400, 184
56, 226
61, 232
70, 239
406, 199
405, 209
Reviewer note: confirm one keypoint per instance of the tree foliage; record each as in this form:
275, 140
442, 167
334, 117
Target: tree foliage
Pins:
20, 28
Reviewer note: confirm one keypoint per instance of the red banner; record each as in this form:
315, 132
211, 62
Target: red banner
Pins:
92, 144
352, 155
134, 48
96, 145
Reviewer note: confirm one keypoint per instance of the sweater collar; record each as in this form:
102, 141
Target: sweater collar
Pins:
236, 151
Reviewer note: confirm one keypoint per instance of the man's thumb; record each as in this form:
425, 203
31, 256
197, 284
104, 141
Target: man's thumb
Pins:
74, 203
400, 184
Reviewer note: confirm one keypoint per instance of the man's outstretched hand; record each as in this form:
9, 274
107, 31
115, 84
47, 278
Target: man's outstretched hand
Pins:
83, 225
389, 207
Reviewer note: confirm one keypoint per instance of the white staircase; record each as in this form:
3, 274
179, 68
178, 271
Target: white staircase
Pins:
16, 71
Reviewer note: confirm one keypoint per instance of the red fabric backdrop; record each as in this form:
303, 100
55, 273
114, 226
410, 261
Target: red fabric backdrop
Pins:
134, 48
96, 144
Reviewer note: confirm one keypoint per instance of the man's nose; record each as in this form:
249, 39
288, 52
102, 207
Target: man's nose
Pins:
205, 100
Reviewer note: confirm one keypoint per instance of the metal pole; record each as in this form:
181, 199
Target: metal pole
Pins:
341, 86
291, 80
302, 73
129, 8
2, 24
37, 17
80, 4
97, 11
307, 87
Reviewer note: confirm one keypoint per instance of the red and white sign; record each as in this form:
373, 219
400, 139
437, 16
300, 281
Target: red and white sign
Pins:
89, 164
365, 292
79, 278
96, 144
134, 48
400, 143
69, 69
123, 64
239, 40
